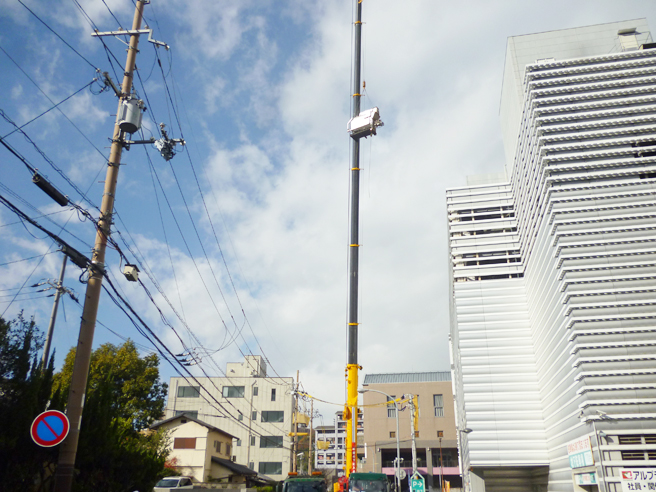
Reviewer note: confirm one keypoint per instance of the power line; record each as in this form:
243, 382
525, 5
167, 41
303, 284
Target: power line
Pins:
26, 259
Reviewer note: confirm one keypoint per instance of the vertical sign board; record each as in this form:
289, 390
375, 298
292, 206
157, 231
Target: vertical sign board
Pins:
50, 428
417, 483
579, 453
638, 479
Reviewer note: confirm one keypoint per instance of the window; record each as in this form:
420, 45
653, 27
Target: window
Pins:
438, 403
273, 416
252, 440
271, 442
240, 417
255, 390
188, 391
233, 391
270, 468
251, 465
234, 458
190, 413
273, 394
217, 446
184, 443
239, 442
254, 415
391, 409
393, 434
228, 446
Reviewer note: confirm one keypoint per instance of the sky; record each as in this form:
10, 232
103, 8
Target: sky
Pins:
242, 238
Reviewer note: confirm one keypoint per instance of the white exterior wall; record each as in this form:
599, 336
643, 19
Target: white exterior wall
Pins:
582, 161
210, 406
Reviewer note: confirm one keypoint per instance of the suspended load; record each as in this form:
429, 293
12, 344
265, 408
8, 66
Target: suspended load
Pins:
129, 118
364, 124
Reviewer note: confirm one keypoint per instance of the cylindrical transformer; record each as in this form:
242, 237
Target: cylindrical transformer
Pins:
130, 115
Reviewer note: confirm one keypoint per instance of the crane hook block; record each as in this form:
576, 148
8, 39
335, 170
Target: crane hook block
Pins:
364, 124
129, 118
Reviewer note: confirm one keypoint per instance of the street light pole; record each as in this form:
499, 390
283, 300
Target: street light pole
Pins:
398, 446
466, 430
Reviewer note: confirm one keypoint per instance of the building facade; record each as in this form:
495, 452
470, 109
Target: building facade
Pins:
553, 321
435, 435
331, 455
255, 408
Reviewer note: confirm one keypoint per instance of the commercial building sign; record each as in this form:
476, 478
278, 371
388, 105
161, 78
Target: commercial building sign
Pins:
638, 479
586, 478
580, 453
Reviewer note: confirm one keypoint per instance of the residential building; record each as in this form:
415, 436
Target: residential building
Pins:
199, 449
248, 404
435, 435
334, 436
553, 270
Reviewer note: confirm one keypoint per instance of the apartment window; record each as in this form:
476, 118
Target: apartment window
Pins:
254, 415
438, 404
184, 443
189, 413
271, 442
255, 391
273, 394
252, 440
188, 391
393, 434
217, 446
270, 468
239, 442
233, 391
251, 465
391, 408
228, 448
273, 416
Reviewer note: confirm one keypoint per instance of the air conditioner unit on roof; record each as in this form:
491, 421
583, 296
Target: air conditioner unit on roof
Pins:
364, 124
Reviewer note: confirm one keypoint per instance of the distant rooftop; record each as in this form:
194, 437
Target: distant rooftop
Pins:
407, 377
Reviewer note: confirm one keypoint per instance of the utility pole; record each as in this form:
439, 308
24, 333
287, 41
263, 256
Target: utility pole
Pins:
295, 441
68, 451
310, 443
412, 432
53, 315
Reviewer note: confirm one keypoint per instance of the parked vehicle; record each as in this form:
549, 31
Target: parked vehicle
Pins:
176, 483
304, 483
368, 482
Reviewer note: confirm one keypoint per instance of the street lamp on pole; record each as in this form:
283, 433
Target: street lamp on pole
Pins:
398, 447
466, 430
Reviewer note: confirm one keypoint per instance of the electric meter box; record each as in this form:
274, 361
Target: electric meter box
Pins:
129, 118
131, 272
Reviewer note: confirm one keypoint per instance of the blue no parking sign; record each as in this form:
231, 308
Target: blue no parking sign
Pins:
50, 428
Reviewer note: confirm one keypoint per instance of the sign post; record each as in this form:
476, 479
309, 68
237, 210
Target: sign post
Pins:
417, 483
50, 428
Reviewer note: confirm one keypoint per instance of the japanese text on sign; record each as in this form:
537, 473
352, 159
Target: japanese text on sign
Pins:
642, 479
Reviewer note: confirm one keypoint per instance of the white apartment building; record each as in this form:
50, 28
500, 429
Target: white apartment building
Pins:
333, 458
255, 408
553, 270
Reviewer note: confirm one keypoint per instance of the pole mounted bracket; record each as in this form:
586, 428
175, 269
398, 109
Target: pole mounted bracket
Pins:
131, 32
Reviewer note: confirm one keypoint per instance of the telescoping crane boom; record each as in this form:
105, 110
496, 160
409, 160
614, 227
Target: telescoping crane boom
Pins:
361, 125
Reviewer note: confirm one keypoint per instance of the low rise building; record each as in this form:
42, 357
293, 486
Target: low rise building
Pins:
255, 408
332, 457
435, 435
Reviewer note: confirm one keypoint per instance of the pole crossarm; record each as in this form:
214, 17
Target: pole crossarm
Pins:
132, 32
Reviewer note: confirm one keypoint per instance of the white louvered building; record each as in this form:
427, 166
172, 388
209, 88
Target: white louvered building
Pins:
553, 269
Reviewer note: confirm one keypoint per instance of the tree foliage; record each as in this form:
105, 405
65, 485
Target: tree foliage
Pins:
124, 396
24, 393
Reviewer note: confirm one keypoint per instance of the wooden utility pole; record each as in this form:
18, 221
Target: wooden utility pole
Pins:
53, 315
76, 395
295, 442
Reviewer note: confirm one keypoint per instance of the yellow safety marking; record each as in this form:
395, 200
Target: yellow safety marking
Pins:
353, 324
358, 22
355, 245
357, 95
355, 169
